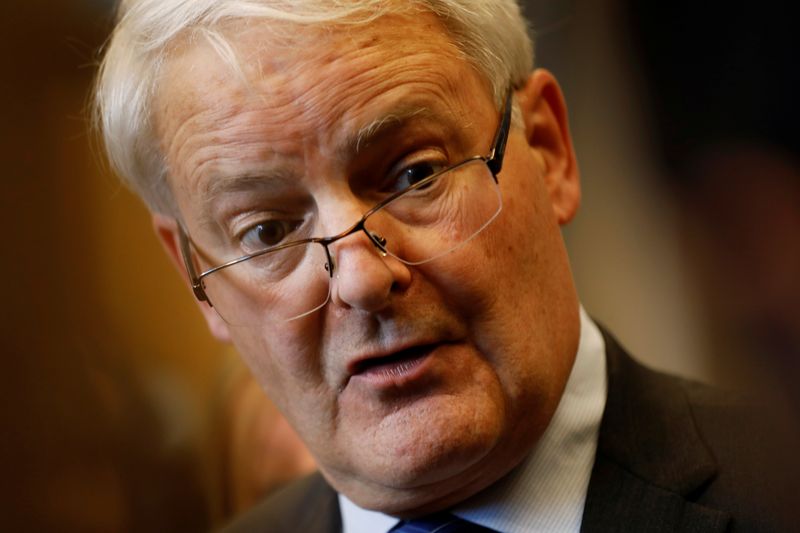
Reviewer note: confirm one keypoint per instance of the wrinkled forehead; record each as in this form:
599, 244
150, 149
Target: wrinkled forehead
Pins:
268, 97
326, 67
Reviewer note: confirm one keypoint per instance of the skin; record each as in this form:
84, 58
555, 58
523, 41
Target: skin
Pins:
503, 307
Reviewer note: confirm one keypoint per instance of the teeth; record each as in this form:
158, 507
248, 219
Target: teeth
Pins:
402, 368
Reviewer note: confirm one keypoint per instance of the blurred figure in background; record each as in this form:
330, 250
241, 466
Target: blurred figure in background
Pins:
723, 83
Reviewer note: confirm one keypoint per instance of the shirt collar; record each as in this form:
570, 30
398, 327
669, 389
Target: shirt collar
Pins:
547, 491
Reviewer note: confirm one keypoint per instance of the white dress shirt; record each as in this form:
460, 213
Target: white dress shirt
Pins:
547, 491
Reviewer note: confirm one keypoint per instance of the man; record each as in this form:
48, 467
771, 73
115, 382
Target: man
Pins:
366, 199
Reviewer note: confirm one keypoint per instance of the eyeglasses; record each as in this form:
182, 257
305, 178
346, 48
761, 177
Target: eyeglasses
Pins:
432, 215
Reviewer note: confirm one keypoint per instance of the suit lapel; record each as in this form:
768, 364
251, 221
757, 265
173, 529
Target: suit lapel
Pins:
650, 458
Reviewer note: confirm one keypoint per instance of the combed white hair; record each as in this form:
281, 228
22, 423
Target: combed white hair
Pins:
491, 34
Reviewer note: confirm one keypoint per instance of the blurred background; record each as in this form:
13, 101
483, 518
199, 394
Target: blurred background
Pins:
120, 413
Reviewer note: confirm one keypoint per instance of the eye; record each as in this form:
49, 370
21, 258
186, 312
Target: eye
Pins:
413, 174
267, 234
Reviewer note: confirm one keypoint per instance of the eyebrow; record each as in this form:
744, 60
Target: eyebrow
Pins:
273, 179
383, 125
246, 182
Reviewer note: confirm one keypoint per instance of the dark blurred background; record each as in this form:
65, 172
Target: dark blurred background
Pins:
107, 372
120, 413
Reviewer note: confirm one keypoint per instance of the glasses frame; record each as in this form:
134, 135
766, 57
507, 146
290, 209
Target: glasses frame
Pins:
494, 161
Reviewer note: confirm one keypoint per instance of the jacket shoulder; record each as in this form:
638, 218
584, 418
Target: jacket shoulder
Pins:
714, 448
755, 448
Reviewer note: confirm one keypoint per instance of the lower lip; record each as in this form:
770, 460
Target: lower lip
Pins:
398, 374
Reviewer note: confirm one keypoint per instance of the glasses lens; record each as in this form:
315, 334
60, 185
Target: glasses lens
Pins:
274, 286
438, 217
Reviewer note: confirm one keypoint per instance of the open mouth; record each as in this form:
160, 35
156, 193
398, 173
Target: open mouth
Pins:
395, 364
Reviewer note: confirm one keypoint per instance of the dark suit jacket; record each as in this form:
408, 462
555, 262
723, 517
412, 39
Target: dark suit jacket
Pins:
672, 455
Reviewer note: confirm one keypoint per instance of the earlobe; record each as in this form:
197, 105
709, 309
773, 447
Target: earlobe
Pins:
544, 113
167, 230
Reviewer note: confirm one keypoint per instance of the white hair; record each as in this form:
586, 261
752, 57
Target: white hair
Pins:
491, 34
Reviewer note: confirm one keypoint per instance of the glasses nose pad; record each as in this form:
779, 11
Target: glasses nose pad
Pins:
330, 264
379, 241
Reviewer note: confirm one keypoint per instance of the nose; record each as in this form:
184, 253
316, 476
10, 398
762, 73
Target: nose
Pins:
365, 278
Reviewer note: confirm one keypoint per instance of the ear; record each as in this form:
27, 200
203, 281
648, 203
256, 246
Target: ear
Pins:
544, 112
167, 230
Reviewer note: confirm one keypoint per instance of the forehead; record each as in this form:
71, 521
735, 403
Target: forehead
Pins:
317, 74
284, 97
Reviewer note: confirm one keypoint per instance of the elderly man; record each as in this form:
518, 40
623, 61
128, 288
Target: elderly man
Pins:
366, 199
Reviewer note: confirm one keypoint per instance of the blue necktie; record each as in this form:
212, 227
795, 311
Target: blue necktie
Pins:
439, 523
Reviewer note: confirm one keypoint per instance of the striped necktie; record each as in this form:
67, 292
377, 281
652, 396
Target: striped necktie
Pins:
439, 523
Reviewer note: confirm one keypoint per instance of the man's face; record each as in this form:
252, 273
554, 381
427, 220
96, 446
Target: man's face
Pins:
484, 337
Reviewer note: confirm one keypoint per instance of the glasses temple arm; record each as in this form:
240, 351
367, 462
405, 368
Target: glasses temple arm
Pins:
186, 253
495, 162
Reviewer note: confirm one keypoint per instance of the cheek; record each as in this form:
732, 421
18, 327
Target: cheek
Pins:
284, 360
499, 268
287, 366
527, 243
514, 282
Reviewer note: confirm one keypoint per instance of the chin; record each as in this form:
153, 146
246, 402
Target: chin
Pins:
430, 465
431, 488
